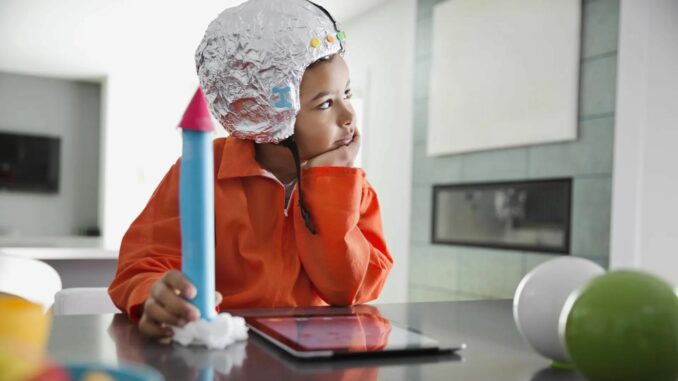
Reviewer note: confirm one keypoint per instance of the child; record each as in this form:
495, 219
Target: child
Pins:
275, 78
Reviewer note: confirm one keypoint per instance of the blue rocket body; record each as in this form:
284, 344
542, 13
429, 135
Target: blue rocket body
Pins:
196, 210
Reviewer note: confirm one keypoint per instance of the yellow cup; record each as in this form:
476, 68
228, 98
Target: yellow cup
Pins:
24, 331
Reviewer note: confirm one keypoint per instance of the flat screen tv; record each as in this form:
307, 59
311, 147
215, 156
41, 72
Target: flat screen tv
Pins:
29, 162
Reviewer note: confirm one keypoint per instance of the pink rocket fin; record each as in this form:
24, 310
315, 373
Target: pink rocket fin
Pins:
197, 115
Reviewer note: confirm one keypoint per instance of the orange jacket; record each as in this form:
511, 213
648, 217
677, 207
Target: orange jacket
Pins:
265, 257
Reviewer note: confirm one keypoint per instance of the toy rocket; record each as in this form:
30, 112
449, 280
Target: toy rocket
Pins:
196, 203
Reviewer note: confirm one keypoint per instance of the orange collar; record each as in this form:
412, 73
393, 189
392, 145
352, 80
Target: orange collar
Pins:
237, 159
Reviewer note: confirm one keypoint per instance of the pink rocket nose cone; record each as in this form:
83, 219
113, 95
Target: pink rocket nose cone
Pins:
197, 115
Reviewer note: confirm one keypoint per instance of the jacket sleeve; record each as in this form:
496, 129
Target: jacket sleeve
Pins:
150, 247
347, 260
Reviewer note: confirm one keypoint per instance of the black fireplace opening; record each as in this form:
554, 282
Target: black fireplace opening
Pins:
531, 215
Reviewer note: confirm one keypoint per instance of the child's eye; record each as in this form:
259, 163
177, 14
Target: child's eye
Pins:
325, 105
348, 94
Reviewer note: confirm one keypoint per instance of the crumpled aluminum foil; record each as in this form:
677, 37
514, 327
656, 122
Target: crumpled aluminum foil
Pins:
251, 61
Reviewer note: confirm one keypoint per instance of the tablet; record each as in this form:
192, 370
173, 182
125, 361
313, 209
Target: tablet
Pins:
322, 336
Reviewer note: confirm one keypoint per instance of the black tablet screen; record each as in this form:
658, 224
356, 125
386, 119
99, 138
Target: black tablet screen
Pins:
340, 333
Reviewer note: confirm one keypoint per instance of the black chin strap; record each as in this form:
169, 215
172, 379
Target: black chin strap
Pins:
292, 145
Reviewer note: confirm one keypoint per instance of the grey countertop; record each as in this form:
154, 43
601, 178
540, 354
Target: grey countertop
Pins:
495, 350
60, 253
22, 240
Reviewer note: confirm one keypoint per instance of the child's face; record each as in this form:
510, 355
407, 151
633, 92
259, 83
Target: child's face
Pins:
326, 120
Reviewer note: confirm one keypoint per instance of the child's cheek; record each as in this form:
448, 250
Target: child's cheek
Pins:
317, 146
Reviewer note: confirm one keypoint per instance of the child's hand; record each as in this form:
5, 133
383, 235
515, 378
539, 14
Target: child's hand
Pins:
343, 156
166, 305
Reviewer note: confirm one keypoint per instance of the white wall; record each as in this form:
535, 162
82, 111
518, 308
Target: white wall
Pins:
645, 190
380, 54
140, 140
58, 108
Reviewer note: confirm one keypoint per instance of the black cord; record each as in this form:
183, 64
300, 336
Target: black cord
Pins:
305, 214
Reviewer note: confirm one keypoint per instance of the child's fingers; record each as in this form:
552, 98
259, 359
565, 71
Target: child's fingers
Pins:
151, 328
173, 303
176, 280
356, 138
157, 313
354, 146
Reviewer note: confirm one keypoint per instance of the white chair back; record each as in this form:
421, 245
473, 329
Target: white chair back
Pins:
83, 301
30, 279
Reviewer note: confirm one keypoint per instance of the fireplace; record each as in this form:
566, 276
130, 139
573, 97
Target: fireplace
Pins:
531, 215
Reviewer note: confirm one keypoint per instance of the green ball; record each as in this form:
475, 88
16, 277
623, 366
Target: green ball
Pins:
623, 326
